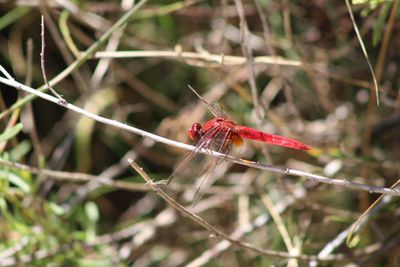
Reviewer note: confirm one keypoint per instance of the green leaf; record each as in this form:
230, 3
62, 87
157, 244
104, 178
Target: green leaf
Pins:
20, 150
95, 263
92, 212
11, 132
380, 24
352, 241
57, 209
16, 180
12, 16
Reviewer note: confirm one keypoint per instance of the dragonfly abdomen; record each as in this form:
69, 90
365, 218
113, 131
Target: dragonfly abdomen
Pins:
249, 133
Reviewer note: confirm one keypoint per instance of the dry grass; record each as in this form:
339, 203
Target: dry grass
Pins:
70, 197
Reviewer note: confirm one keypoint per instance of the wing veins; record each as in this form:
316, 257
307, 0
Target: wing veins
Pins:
204, 142
211, 176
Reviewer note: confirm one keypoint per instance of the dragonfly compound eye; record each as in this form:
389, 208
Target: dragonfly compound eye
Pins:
195, 132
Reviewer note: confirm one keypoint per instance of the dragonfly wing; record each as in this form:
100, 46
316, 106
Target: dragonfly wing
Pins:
181, 166
203, 143
218, 110
213, 171
208, 179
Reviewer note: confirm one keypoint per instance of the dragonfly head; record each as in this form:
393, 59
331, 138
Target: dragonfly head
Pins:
195, 132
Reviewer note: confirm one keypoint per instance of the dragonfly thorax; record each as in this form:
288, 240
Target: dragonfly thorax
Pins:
196, 132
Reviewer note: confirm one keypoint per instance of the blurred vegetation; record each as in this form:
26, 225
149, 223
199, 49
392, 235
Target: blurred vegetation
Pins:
94, 210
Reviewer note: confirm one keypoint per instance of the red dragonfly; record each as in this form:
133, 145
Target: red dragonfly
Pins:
221, 134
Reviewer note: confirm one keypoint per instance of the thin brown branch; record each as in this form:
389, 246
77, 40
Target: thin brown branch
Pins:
356, 226
345, 183
216, 232
76, 177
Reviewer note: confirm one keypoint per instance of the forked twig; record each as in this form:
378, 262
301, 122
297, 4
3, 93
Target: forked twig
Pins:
61, 100
216, 232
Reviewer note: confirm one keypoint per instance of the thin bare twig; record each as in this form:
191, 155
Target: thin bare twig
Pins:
61, 44
208, 57
61, 100
84, 56
356, 225
242, 230
105, 181
287, 171
200, 221
228, 60
364, 51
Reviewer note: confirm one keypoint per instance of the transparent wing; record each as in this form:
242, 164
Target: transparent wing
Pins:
212, 173
215, 108
208, 179
218, 111
204, 142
